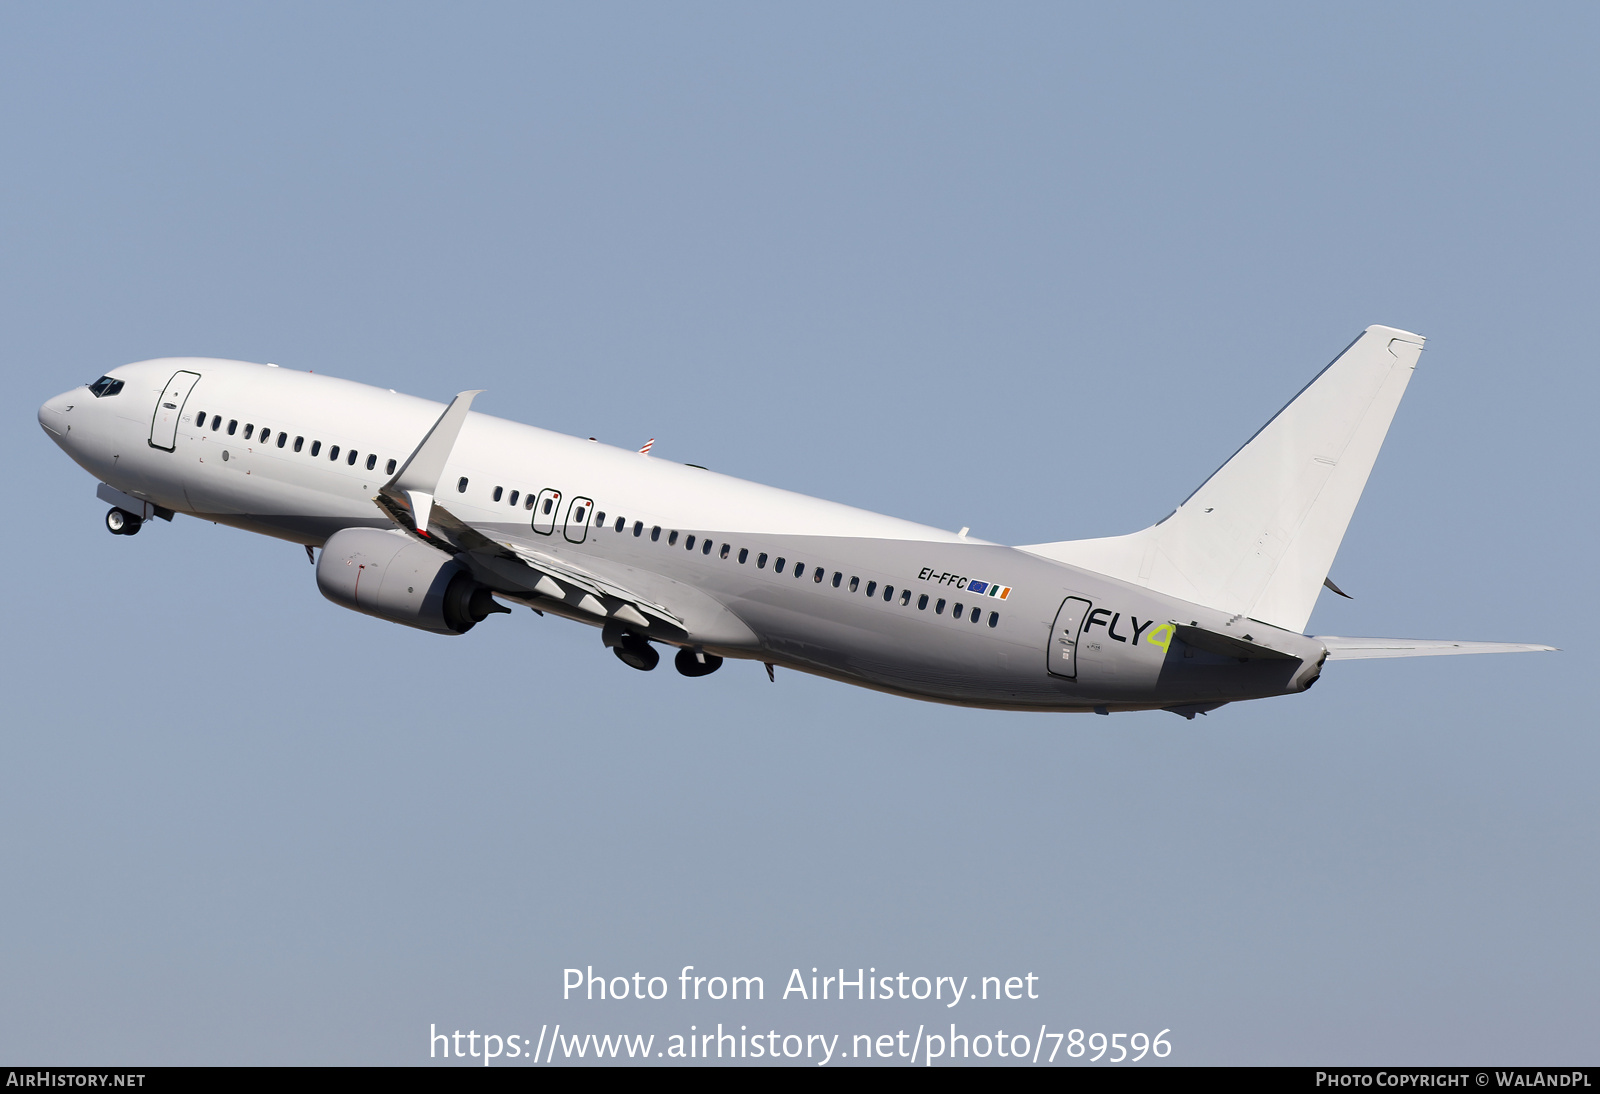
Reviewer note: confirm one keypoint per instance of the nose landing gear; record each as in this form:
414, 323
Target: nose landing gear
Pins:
120, 522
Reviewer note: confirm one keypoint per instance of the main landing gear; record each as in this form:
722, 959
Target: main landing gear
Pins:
636, 652
120, 522
690, 663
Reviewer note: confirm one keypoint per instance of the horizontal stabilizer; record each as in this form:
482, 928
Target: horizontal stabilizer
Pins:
1353, 649
1228, 645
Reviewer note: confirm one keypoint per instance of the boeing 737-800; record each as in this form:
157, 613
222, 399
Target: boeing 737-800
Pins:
436, 517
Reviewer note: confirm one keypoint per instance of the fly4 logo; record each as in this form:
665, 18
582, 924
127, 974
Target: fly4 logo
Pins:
1160, 637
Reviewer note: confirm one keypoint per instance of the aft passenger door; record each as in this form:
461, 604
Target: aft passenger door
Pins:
546, 508
1062, 656
164, 423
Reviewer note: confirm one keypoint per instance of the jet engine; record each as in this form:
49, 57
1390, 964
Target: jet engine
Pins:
389, 575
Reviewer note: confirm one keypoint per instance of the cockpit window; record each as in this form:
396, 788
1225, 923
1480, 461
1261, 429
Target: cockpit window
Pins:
105, 386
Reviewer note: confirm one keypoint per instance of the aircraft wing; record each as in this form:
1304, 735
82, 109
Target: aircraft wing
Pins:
1353, 649
565, 573
409, 500
540, 572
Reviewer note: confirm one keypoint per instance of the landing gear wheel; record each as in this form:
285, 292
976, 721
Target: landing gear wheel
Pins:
120, 522
636, 653
691, 665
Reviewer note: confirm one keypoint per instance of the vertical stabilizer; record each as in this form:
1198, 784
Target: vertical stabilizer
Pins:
1259, 536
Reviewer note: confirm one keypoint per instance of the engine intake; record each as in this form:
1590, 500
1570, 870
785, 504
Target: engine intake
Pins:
391, 576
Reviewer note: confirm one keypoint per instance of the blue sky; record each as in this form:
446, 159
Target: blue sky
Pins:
1032, 269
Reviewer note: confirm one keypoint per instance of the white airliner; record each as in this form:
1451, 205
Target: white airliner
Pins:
436, 517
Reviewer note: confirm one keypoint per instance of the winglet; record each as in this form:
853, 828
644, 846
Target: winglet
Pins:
417, 481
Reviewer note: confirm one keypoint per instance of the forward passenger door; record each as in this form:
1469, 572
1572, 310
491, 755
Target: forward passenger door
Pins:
164, 422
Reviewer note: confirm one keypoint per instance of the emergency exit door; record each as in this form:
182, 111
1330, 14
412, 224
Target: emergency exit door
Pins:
546, 510
1062, 656
578, 519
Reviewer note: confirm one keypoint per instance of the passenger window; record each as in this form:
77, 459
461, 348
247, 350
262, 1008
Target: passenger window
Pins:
837, 577
855, 583
724, 552
372, 461
777, 566
655, 534
299, 443
994, 619
282, 439
249, 429
905, 597
688, 544
761, 561
872, 588
461, 483
621, 521
922, 602
216, 422
938, 608
391, 467
799, 569
531, 498
352, 460
638, 529
233, 423
499, 491
549, 503
955, 612
514, 495
744, 553
705, 547
200, 420
672, 538
333, 454
599, 520
975, 613
819, 575
316, 447
888, 593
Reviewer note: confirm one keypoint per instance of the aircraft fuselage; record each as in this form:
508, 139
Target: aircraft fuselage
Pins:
748, 571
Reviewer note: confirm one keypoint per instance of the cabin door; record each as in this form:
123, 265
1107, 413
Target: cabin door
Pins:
164, 423
1062, 657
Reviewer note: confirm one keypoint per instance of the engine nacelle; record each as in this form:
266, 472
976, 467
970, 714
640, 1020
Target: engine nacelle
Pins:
389, 575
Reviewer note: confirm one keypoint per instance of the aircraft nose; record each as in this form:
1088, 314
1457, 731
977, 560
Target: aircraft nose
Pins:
56, 413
